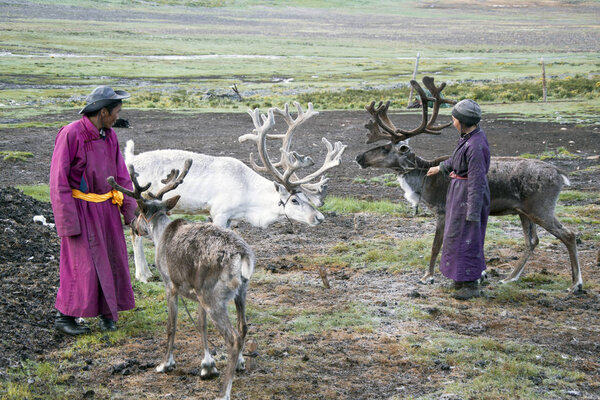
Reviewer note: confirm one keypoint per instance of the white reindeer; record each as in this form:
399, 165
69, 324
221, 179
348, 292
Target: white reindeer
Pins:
201, 262
230, 190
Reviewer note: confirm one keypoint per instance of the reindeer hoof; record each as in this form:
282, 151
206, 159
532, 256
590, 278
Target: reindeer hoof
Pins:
576, 289
164, 367
209, 371
241, 364
426, 280
144, 278
483, 280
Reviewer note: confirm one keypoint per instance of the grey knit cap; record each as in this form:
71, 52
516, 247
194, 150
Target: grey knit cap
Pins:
102, 96
467, 111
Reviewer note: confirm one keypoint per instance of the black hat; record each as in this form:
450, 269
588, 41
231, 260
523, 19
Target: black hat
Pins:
467, 111
102, 96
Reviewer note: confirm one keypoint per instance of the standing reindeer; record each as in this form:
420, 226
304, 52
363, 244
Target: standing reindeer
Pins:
230, 190
201, 262
528, 188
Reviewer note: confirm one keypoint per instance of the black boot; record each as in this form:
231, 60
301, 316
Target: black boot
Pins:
456, 285
469, 289
107, 324
67, 325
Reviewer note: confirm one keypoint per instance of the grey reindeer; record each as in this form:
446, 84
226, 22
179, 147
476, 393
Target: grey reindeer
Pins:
527, 188
201, 262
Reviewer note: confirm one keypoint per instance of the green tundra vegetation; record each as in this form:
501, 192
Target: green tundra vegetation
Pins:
166, 64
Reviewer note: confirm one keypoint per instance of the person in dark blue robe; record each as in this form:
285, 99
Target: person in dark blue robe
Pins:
467, 202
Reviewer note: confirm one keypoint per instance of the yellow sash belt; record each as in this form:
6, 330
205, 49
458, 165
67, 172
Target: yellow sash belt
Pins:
115, 195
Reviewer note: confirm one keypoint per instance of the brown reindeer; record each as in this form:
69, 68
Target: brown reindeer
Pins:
527, 188
201, 262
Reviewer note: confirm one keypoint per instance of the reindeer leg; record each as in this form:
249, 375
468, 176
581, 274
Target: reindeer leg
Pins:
219, 316
568, 238
169, 362
209, 368
531, 241
221, 220
142, 272
438, 239
242, 325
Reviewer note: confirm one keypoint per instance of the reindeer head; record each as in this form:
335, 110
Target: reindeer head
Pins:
398, 156
151, 206
298, 196
298, 207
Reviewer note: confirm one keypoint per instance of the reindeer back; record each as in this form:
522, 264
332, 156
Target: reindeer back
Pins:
204, 254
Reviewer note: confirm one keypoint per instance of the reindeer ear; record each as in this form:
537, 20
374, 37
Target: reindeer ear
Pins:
172, 202
280, 188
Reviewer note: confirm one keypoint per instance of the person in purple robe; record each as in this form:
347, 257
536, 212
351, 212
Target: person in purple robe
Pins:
467, 202
94, 270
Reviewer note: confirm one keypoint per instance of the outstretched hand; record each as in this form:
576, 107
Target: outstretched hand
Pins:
433, 171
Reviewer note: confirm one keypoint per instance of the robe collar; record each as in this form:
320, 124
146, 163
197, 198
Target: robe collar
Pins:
467, 136
91, 132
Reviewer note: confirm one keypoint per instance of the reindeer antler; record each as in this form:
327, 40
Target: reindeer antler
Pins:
390, 132
438, 101
290, 161
138, 189
173, 180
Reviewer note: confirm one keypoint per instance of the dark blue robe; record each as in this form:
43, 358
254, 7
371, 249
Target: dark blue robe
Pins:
467, 208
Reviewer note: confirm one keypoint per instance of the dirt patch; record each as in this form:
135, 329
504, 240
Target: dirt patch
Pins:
342, 362
29, 254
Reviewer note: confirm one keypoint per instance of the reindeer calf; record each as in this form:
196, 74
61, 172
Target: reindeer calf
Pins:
201, 262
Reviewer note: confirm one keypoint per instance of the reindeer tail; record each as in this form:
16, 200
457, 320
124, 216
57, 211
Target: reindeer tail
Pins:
247, 262
565, 179
129, 152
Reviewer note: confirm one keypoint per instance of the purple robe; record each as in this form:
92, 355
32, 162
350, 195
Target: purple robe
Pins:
94, 271
467, 208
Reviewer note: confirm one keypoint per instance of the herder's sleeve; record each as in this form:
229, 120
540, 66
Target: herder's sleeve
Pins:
477, 182
446, 166
123, 179
63, 203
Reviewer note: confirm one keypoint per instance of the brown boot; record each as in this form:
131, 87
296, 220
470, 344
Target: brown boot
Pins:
469, 289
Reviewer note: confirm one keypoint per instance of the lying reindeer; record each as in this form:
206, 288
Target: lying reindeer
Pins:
528, 188
230, 190
199, 261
